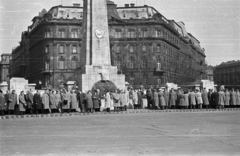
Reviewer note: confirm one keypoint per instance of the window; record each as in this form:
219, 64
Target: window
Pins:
74, 49
144, 33
144, 48
47, 34
74, 34
61, 33
118, 63
144, 63
131, 62
47, 49
118, 49
158, 48
61, 49
131, 48
74, 62
118, 33
47, 66
61, 63
158, 62
131, 33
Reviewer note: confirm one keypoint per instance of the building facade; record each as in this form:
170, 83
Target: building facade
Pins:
4, 67
210, 73
228, 74
145, 46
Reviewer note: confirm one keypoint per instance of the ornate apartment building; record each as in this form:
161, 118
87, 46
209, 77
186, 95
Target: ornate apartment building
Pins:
228, 74
147, 47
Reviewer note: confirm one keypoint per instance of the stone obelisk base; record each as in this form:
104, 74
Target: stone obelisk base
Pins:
88, 75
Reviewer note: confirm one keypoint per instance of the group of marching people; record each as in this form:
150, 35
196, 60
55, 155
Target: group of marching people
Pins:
192, 99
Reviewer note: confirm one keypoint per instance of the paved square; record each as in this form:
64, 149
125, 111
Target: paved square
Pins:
162, 133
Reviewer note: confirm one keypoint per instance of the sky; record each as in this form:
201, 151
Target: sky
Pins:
215, 23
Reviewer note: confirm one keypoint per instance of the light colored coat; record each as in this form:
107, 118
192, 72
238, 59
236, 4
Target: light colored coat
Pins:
221, 98
73, 101
233, 98
45, 100
2, 102
173, 98
199, 98
161, 99
227, 98
156, 99
108, 100
166, 97
205, 97
135, 98
186, 99
238, 98
192, 98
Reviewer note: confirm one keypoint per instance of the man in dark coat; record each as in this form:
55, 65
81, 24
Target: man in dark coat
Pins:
210, 98
215, 98
166, 97
96, 101
6, 96
29, 99
38, 103
2, 102
172, 99
149, 98
89, 101
13, 101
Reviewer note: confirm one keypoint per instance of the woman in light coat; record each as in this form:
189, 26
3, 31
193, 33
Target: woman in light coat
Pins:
199, 99
162, 102
58, 101
237, 98
135, 99
108, 101
45, 101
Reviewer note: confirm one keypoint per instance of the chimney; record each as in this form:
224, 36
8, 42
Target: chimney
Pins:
76, 4
132, 4
127, 5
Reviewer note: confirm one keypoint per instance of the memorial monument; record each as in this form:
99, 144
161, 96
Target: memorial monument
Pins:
95, 58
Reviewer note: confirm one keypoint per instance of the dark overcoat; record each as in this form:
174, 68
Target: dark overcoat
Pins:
140, 98
166, 97
89, 100
96, 100
29, 99
192, 98
37, 101
2, 102
22, 103
13, 100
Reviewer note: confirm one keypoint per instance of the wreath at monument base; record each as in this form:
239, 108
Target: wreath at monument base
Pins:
104, 86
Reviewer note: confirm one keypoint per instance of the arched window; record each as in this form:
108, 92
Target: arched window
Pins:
61, 63
74, 62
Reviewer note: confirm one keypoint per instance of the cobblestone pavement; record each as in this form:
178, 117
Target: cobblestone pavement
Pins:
140, 132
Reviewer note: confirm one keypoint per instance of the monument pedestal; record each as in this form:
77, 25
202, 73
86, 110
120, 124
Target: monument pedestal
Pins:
88, 75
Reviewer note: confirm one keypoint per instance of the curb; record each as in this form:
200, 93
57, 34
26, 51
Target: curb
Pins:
118, 113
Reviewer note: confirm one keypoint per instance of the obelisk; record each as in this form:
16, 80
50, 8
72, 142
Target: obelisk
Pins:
95, 58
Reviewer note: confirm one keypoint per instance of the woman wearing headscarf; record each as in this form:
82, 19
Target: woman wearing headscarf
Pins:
22, 103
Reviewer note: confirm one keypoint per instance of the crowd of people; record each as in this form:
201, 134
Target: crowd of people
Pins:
64, 101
